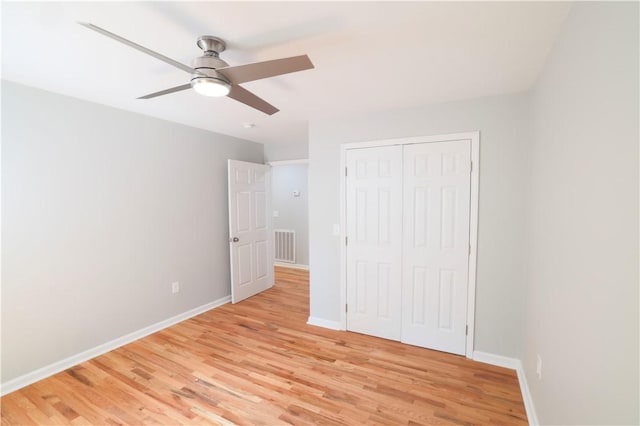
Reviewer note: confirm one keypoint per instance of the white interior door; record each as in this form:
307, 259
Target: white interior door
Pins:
374, 246
436, 250
250, 235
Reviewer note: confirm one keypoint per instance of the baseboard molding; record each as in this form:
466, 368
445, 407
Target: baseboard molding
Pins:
526, 396
497, 360
320, 322
512, 364
56, 367
291, 265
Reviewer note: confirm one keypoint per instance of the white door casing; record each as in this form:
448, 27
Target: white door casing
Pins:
447, 323
374, 227
435, 260
250, 234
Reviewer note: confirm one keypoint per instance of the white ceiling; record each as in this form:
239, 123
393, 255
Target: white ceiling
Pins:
368, 56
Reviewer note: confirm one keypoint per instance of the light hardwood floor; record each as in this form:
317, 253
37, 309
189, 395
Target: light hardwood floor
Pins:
258, 362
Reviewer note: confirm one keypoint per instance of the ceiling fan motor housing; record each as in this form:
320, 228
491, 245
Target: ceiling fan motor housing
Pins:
206, 66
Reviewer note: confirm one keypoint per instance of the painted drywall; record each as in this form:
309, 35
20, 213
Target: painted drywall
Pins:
280, 152
292, 210
582, 270
502, 122
102, 210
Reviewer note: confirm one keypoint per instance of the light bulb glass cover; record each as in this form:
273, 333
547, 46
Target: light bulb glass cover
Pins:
209, 86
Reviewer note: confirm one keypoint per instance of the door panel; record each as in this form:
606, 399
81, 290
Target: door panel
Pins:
436, 244
249, 222
374, 229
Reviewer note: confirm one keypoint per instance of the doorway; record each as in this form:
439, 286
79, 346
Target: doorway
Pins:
290, 213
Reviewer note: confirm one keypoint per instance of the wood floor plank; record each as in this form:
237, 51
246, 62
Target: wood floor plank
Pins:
258, 362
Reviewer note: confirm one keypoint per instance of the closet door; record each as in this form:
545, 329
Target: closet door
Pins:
436, 244
374, 248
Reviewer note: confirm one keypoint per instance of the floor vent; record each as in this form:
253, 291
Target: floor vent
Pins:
285, 242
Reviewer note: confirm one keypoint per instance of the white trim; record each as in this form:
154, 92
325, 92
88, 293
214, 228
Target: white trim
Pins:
288, 162
512, 364
291, 265
497, 360
473, 241
56, 367
532, 417
320, 322
411, 140
474, 137
343, 238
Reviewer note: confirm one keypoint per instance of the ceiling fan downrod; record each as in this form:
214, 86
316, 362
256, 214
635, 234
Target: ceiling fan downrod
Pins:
212, 46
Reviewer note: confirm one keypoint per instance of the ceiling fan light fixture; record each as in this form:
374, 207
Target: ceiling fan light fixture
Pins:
210, 86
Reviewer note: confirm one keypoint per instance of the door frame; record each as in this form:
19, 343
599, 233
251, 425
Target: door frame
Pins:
474, 137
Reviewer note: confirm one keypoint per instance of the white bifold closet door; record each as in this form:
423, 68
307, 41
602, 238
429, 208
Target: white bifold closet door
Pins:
408, 243
435, 261
374, 247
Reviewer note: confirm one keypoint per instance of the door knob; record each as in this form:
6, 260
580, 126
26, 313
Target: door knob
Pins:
235, 239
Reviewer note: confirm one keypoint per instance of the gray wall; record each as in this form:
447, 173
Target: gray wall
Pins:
293, 211
582, 298
558, 227
101, 210
292, 151
503, 124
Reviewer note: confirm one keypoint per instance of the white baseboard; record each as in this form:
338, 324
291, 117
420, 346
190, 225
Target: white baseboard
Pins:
56, 367
526, 396
291, 265
512, 364
498, 360
320, 322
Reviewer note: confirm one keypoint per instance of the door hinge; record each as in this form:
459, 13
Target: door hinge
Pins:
471, 168
466, 330
469, 249
345, 171
346, 308
346, 241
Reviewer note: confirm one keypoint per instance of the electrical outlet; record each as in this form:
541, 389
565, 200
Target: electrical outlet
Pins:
539, 367
175, 287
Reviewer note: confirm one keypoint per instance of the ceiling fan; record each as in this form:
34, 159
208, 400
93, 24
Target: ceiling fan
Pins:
211, 76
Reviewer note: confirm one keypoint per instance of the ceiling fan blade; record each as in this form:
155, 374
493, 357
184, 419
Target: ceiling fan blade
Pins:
246, 97
259, 70
166, 91
136, 46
